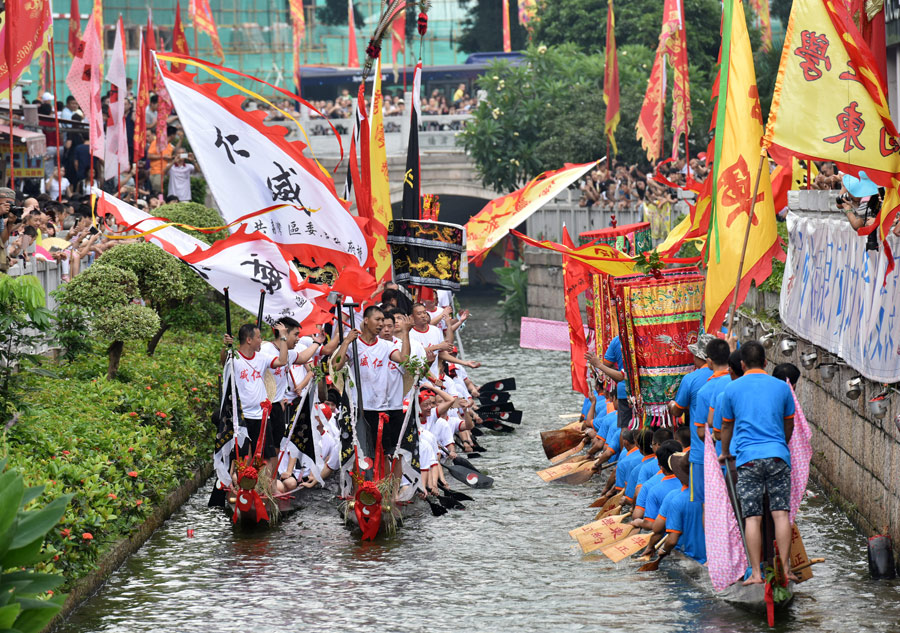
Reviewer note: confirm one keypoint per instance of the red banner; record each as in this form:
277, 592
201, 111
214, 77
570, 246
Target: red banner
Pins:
145, 79
179, 41
30, 37
611, 80
507, 40
352, 55
299, 21
202, 19
576, 280
74, 28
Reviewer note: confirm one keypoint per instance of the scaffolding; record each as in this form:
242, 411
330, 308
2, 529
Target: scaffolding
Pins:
257, 36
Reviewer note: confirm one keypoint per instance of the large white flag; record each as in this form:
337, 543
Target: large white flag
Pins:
249, 166
116, 135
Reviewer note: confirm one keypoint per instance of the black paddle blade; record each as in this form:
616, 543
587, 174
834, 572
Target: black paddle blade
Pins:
509, 417
450, 503
465, 463
496, 397
453, 494
499, 427
436, 508
507, 384
477, 433
478, 448
470, 477
473, 455
496, 408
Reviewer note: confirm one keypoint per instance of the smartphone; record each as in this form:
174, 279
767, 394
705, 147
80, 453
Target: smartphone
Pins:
93, 230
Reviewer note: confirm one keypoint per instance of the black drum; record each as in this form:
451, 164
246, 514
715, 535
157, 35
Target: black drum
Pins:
426, 253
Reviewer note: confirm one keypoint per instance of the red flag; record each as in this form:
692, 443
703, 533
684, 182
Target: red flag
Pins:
398, 40
145, 74
26, 33
299, 21
507, 40
83, 81
575, 281
353, 55
611, 80
74, 28
179, 41
203, 21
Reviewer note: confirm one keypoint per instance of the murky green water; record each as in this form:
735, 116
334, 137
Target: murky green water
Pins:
504, 564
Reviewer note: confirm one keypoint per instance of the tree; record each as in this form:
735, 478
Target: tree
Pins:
162, 280
106, 293
483, 27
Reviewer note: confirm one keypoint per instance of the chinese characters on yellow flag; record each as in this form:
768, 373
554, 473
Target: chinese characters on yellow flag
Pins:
739, 129
830, 104
381, 188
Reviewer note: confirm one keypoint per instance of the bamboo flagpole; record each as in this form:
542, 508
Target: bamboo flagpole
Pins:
737, 285
59, 143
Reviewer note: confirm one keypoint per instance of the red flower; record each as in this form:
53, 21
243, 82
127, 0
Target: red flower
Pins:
56, 557
131, 449
87, 536
53, 457
49, 592
132, 473
147, 387
139, 502
161, 414
133, 414
65, 452
193, 389
112, 496
65, 532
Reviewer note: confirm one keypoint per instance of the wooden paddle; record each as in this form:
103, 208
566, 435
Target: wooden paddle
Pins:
561, 440
611, 512
566, 416
561, 470
568, 454
611, 502
626, 547
809, 563
582, 474
604, 537
653, 565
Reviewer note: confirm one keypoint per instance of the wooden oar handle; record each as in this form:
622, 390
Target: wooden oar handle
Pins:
809, 563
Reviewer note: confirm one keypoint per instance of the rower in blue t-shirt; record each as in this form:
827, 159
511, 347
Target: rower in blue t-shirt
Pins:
644, 441
717, 353
663, 452
680, 518
628, 459
613, 366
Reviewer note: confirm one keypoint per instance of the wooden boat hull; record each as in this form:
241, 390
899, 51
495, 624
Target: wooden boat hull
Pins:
748, 598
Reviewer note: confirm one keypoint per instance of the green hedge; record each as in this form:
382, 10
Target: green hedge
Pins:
119, 446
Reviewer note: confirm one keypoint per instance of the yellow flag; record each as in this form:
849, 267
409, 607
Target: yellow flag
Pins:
739, 129
381, 188
829, 103
800, 176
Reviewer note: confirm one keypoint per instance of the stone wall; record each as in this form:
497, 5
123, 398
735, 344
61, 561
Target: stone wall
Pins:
545, 284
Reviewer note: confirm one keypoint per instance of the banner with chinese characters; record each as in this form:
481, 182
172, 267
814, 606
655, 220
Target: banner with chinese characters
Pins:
834, 296
249, 166
28, 38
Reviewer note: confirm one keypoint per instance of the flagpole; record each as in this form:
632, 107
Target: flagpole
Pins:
8, 53
737, 285
59, 143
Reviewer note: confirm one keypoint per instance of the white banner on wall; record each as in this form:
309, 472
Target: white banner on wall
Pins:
834, 296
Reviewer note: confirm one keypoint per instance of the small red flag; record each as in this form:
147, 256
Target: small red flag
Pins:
74, 28
179, 41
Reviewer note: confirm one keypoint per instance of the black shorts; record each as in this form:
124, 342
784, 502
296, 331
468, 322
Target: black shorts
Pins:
269, 451
390, 434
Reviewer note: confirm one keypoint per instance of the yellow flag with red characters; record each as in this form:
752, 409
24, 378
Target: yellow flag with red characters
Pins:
600, 258
830, 103
381, 188
739, 129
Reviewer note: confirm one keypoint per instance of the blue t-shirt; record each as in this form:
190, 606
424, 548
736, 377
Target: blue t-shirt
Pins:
717, 419
613, 436
687, 392
626, 463
635, 477
758, 404
685, 518
705, 398
647, 470
660, 491
646, 488
601, 423
614, 355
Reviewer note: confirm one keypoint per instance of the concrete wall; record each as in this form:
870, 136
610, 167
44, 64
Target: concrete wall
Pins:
545, 284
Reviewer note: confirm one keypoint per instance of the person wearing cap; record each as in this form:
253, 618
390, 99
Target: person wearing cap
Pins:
859, 200
680, 518
717, 352
757, 423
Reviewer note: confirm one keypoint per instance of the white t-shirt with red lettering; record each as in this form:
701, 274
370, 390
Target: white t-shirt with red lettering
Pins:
375, 373
428, 337
395, 382
284, 388
248, 373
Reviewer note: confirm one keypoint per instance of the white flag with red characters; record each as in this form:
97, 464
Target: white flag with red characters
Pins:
84, 82
247, 263
250, 165
116, 162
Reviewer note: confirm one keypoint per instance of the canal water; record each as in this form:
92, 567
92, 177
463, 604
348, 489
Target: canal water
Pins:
506, 563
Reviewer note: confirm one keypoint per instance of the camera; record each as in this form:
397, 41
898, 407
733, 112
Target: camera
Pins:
17, 211
842, 199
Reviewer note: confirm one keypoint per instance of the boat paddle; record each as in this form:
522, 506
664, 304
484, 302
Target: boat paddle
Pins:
436, 508
462, 461
653, 565
809, 563
459, 496
507, 384
471, 478
450, 503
